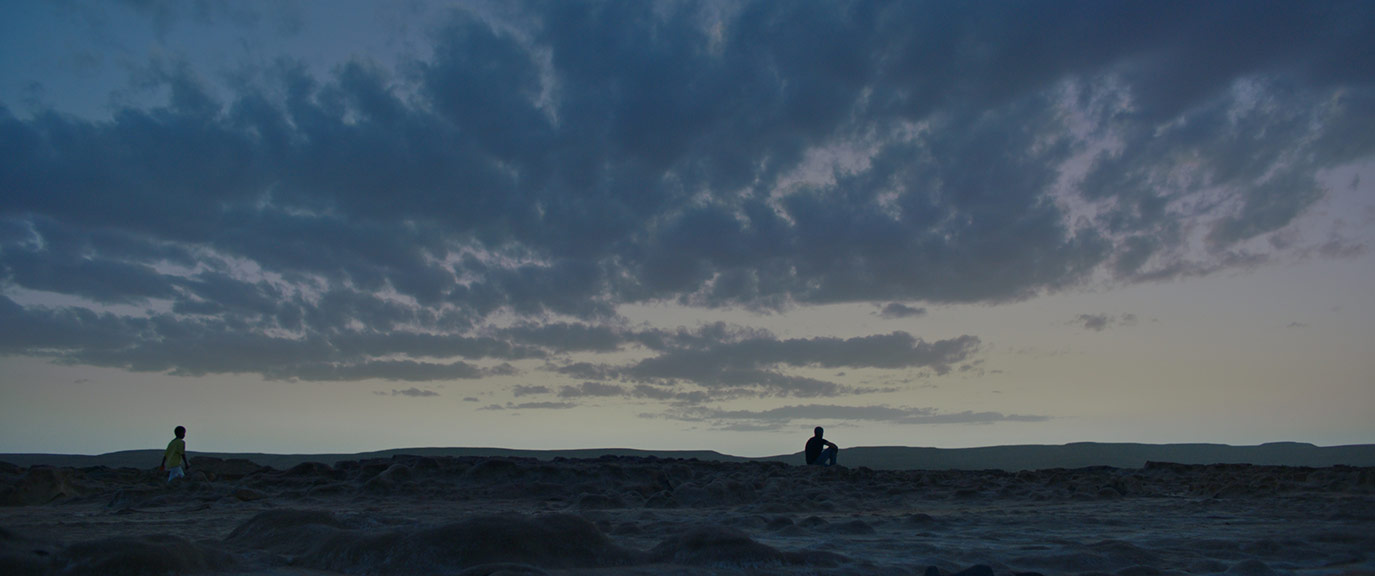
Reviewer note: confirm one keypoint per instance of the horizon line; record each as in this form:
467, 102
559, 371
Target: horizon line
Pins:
707, 450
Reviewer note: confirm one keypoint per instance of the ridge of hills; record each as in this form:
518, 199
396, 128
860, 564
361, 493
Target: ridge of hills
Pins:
1009, 458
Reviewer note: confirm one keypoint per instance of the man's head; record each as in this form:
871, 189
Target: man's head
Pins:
818, 432
180, 431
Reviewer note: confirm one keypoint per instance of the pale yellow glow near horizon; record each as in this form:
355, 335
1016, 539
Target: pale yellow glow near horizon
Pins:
1214, 361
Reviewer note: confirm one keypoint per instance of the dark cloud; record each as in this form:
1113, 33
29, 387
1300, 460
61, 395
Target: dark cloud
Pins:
672, 394
194, 347
895, 350
503, 369
591, 389
1100, 322
897, 310
538, 166
528, 390
719, 361
1339, 248
587, 371
1095, 322
566, 337
387, 370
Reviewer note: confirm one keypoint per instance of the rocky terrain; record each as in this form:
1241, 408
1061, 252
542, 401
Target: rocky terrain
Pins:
645, 515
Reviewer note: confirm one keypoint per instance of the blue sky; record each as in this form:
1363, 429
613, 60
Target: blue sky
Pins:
339, 226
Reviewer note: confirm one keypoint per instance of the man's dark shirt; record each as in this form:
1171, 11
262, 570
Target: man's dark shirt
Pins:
814, 447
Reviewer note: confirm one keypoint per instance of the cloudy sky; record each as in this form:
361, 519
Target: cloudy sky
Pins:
338, 226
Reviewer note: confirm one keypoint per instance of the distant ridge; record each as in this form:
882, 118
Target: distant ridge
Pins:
151, 458
1085, 454
1011, 458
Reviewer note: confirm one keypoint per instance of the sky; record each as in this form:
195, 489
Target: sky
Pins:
338, 226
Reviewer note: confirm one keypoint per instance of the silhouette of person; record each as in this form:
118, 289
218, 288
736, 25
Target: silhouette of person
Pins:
174, 460
816, 454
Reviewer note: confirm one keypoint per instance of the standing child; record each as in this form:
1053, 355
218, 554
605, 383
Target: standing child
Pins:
174, 460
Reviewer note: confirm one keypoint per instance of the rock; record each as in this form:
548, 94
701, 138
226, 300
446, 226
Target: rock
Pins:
598, 502
976, 570
155, 554
1251, 568
853, 527
311, 469
248, 495
779, 523
40, 485
231, 470
715, 545
503, 569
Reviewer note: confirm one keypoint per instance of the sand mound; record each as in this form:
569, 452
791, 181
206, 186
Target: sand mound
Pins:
554, 541
232, 469
19, 557
714, 546
136, 556
321, 540
39, 485
19, 564
503, 569
1101, 556
719, 546
975, 570
283, 530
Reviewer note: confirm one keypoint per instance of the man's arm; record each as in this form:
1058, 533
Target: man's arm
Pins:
830, 444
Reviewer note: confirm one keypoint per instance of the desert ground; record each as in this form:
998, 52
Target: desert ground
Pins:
620, 515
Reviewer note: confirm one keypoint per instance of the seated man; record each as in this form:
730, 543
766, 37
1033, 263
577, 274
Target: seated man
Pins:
816, 456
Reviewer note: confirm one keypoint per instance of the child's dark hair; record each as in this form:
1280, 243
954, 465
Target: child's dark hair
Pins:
180, 431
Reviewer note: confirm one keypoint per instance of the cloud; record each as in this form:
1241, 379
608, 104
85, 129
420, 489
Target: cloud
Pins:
1339, 248
594, 389
1095, 322
786, 416
566, 337
531, 406
896, 310
1100, 322
587, 371
528, 390
521, 174
412, 392
753, 363
724, 345
405, 370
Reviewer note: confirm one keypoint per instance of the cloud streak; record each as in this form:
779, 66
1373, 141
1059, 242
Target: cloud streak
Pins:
1101, 322
720, 361
411, 392
896, 310
785, 416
